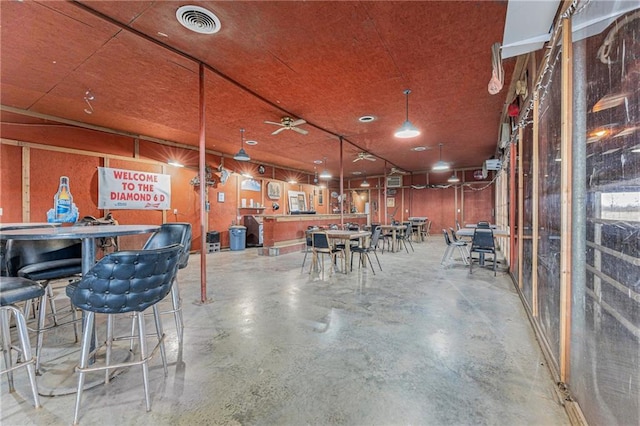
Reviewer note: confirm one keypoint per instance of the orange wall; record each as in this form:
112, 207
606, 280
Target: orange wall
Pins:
47, 165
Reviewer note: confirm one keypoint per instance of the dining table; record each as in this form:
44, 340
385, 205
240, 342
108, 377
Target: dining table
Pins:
468, 232
58, 378
394, 233
347, 236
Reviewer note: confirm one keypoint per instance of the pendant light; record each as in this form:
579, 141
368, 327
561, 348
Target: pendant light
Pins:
241, 155
325, 173
364, 183
454, 178
407, 130
440, 166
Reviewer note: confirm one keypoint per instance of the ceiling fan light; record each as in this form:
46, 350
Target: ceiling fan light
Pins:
241, 156
406, 131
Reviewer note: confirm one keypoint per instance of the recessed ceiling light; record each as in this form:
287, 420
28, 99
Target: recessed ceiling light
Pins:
317, 161
356, 173
419, 148
251, 142
366, 118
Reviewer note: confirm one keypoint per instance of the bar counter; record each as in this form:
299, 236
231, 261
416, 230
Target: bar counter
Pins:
286, 233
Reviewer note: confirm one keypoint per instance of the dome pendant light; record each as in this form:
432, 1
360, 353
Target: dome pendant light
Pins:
454, 178
407, 130
241, 155
325, 173
440, 166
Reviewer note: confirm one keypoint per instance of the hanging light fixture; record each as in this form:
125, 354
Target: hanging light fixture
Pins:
325, 173
407, 130
241, 155
364, 183
454, 178
440, 166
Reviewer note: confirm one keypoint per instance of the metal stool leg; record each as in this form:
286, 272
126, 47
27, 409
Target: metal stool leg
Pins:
84, 359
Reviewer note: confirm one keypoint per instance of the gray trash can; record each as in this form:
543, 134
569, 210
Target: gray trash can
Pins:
237, 237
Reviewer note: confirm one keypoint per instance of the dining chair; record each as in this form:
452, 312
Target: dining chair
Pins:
308, 245
404, 237
371, 248
460, 243
483, 243
15, 290
169, 234
451, 247
386, 238
123, 282
321, 247
45, 261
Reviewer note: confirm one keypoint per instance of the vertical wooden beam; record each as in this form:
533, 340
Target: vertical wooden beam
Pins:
566, 114
26, 184
535, 201
203, 189
513, 199
520, 208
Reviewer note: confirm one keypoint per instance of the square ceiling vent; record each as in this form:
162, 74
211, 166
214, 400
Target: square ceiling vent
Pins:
394, 181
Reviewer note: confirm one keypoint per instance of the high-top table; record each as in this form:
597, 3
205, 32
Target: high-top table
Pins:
87, 234
60, 379
27, 225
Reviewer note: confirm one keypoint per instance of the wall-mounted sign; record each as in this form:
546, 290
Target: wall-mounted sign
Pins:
130, 189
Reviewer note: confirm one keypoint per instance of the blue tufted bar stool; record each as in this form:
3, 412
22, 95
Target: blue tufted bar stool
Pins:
121, 283
15, 290
168, 234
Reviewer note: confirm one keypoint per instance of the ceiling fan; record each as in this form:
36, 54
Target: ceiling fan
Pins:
395, 170
364, 156
288, 123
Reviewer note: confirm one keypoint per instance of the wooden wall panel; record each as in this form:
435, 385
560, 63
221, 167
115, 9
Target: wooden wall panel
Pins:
10, 183
69, 137
478, 205
45, 171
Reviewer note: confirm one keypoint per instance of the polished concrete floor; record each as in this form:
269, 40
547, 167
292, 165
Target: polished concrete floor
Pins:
414, 344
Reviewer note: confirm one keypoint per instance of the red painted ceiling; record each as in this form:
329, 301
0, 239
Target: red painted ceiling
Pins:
325, 62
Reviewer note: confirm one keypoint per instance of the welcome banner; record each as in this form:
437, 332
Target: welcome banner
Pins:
128, 189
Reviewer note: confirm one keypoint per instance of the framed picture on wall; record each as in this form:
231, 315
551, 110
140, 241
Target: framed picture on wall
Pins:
391, 202
273, 190
320, 197
221, 197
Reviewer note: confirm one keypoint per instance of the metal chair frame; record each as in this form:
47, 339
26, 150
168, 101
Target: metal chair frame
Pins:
483, 243
157, 269
373, 246
27, 291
